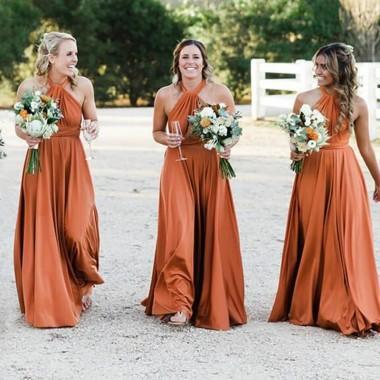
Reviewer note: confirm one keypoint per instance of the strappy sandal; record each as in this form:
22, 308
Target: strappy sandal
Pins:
178, 319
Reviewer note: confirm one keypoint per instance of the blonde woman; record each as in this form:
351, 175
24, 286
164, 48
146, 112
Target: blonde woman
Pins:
56, 248
328, 272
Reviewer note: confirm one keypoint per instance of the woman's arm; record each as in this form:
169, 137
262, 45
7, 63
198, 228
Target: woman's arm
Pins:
365, 147
226, 97
89, 106
296, 109
160, 120
26, 85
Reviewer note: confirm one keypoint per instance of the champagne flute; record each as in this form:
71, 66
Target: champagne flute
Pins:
86, 125
176, 130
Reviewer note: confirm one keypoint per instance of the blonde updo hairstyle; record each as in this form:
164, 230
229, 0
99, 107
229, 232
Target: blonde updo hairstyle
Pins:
340, 62
207, 68
50, 45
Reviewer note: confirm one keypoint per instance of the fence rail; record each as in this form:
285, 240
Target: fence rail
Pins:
302, 80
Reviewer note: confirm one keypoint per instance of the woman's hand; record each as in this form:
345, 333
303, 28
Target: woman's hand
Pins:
376, 193
173, 140
297, 156
227, 152
32, 141
93, 129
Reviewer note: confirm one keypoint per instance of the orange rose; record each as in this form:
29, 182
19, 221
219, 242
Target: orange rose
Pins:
24, 114
205, 122
311, 134
45, 98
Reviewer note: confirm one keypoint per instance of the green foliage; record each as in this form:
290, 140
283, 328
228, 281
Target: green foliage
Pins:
277, 30
136, 42
18, 18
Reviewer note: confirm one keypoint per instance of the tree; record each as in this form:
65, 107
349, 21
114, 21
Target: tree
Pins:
277, 30
361, 20
136, 42
18, 18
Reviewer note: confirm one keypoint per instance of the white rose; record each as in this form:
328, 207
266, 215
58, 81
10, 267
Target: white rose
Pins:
319, 117
37, 93
311, 144
207, 112
214, 128
307, 121
35, 128
306, 110
222, 130
34, 106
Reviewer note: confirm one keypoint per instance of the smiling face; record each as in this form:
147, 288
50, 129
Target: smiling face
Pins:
190, 62
65, 61
323, 75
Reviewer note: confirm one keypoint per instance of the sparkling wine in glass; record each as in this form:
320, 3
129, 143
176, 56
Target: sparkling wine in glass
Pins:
176, 130
86, 126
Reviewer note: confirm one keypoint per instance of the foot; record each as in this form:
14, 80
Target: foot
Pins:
86, 302
178, 319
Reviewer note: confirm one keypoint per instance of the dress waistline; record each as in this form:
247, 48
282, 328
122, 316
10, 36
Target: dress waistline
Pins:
335, 147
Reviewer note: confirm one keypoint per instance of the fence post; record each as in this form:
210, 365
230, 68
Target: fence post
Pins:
257, 92
304, 75
367, 90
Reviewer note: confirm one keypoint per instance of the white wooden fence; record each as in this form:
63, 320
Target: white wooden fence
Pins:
264, 104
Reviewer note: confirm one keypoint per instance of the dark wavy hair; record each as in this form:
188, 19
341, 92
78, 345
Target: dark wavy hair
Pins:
341, 64
207, 68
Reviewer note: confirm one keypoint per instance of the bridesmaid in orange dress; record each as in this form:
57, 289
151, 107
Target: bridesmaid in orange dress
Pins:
328, 273
197, 273
56, 250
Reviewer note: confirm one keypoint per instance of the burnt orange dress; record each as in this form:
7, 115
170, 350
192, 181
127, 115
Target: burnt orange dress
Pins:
197, 266
56, 245
328, 272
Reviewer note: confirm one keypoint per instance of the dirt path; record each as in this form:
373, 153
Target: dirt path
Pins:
115, 340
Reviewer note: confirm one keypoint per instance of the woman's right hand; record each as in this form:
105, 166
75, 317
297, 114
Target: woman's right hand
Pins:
173, 140
32, 141
296, 156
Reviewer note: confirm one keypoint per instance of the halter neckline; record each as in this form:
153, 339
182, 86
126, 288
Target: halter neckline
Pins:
62, 83
325, 92
195, 90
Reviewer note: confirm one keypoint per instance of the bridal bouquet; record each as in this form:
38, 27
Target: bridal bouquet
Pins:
214, 125
307, 132
2, 143
37, 115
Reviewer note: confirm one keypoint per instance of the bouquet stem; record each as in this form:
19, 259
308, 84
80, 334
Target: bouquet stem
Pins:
226, 169
33, 161
297, 166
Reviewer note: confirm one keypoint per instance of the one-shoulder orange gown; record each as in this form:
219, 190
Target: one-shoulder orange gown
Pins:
328, 272
197, 266
56, 245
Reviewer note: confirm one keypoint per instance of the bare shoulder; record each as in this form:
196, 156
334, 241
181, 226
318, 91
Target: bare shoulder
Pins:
309, 97
359, 103
84, 83
167, 91
218, 89
27, 85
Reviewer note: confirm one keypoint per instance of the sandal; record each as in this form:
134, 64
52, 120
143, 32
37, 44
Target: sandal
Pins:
178, 319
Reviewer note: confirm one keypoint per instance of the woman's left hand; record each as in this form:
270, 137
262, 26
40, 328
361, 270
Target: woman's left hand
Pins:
227, 153
93, 129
